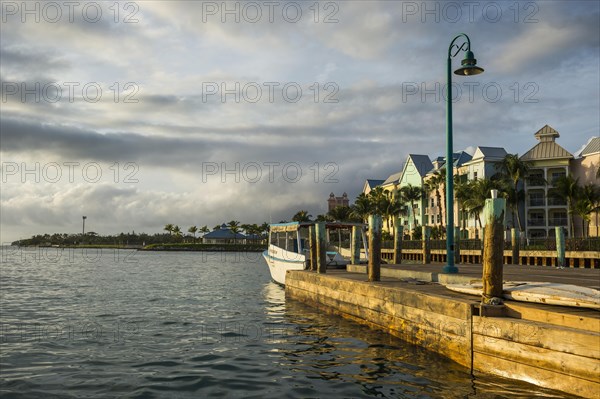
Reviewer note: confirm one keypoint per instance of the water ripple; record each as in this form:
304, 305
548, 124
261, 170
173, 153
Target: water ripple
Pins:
192, 325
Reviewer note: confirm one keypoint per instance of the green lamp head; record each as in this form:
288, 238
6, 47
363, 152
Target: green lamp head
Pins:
469, 66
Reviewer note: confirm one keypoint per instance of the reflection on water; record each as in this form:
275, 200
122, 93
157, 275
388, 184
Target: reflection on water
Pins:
329, 348
132, 324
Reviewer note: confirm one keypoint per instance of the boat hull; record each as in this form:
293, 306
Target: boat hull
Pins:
280, 261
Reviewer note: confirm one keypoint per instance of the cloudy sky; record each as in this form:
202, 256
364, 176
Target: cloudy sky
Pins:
139, 114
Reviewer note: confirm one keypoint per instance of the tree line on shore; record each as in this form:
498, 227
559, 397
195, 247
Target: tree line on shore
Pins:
173, 234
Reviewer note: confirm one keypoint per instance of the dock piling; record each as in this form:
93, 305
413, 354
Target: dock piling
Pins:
321, 247
426, 244
515, 244
355, 246
493, 249
398, 232
456, 245
374, 267
560, 246
312, 243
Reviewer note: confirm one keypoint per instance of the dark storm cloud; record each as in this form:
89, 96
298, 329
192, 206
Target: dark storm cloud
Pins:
17, 58
71, 142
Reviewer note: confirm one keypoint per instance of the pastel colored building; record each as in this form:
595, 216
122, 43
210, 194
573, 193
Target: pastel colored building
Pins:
541, 210
548, 161
586, 168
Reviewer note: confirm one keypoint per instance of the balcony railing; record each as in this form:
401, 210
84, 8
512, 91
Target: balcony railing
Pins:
536, 181
553, 201
536, 222
558, 222
536, 202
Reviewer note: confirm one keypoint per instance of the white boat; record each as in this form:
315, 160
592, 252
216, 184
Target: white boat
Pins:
539, 292
288, 248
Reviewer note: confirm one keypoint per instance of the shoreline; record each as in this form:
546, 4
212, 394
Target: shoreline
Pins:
164, 247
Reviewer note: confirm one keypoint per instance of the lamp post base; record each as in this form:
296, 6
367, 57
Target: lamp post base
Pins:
448, 269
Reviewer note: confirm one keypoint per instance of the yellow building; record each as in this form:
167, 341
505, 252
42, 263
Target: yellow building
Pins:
549, 161
586, 168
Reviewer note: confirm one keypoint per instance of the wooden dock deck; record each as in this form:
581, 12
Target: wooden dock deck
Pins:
433, 272
552, 346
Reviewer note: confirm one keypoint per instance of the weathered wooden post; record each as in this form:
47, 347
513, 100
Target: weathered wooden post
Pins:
321, 247
560, 246
312, 244
355, 246
493, 248
515, 244
374, 267
457, 245
425, 237
398, 232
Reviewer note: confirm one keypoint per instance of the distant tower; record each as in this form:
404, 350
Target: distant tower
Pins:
334, 201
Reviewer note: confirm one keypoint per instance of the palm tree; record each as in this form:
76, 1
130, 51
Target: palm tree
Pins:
461, 191
513, 198
412, 194
234, 227
361, 208
177, 231
435, 182
474, 195
379, 200
169, 228
567, 188
395, 205
247, 228
301, 216
204, 229
252, 229
587, 203
515, 170
323, 218
264, 229
193, 230
340, 213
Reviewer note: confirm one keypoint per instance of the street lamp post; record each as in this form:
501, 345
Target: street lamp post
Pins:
468, 67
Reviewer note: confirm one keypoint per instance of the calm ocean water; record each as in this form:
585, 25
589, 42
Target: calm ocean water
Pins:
116, 323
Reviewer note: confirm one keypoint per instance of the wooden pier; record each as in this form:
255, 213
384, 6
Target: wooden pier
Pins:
551, 346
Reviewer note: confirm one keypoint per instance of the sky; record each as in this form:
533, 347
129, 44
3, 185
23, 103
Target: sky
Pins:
139, 114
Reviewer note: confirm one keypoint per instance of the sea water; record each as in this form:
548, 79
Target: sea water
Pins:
104, 323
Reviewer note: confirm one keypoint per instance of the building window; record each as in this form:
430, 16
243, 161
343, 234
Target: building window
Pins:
536, 198
439, 218
432, 202
536, 178
557, 175
558, 218
536, 219
474, 175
